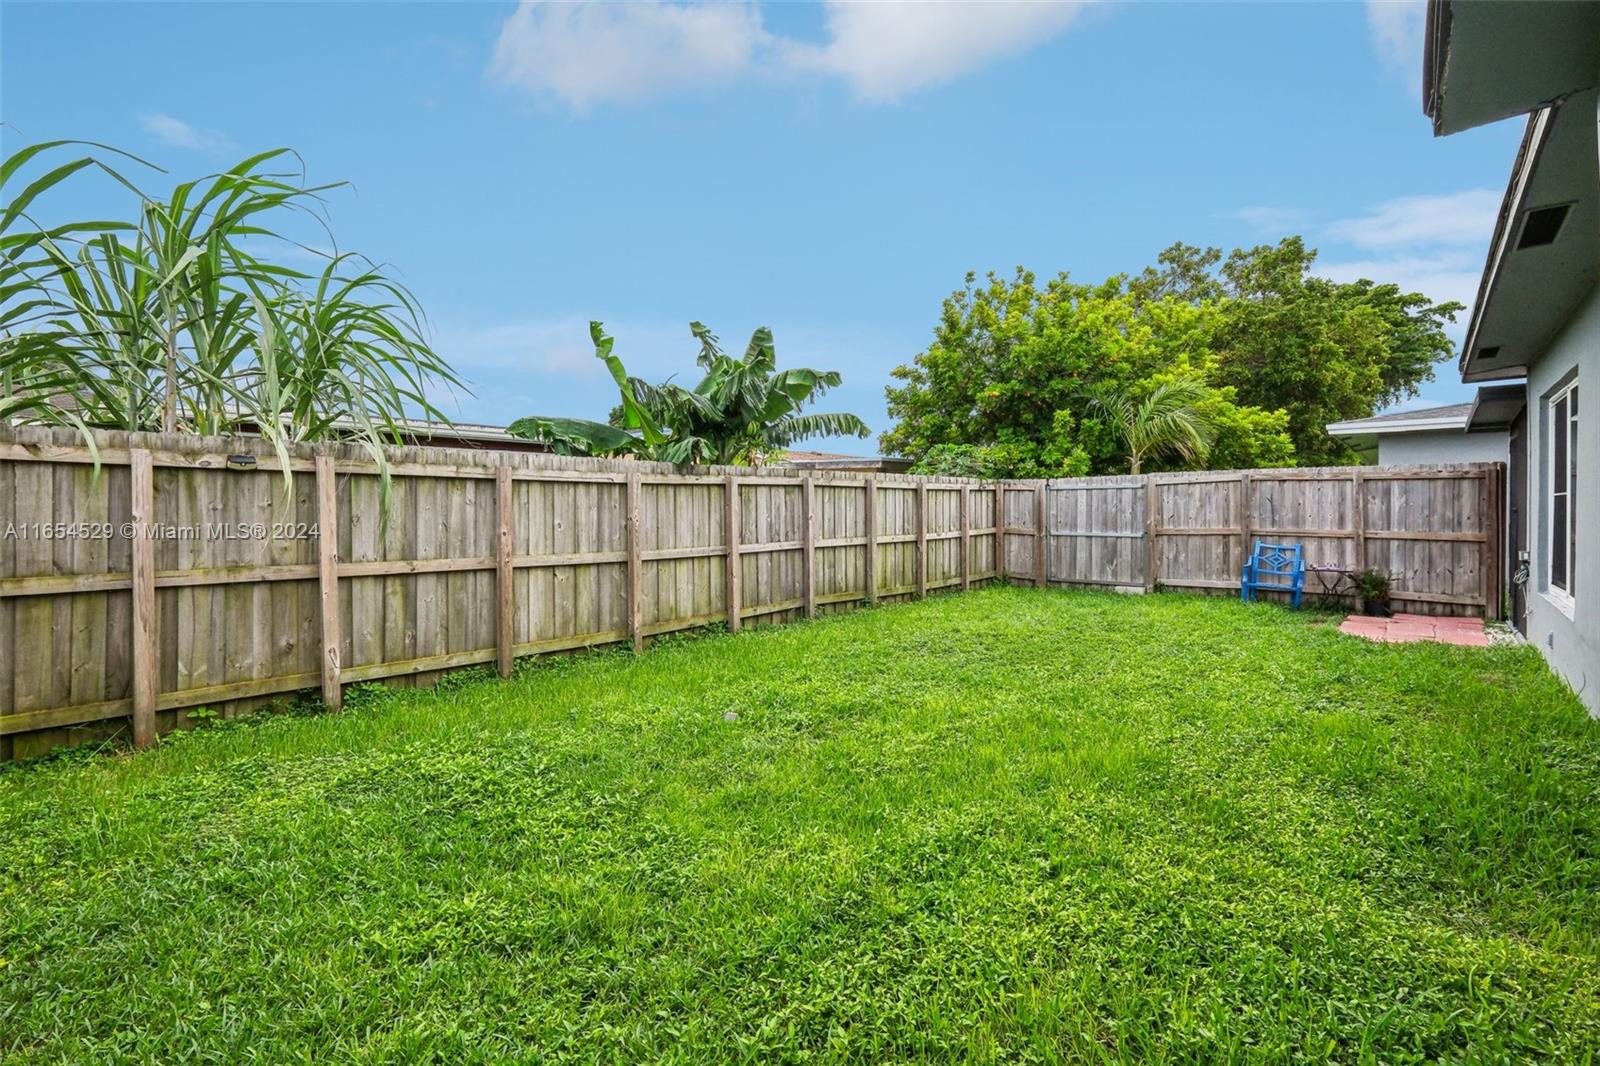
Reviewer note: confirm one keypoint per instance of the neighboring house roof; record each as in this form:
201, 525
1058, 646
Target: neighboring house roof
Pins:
1421, 420
1486, 61
835, 461
1491, 410
477, 435
469, 434
793, 456
428, 434
1496, 407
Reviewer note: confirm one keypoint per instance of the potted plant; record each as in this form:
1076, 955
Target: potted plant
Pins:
1373, 588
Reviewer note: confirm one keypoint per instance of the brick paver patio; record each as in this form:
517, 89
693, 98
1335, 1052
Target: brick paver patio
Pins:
1408, 627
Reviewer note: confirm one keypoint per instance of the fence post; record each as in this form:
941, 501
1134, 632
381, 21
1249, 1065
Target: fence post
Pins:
1001, 574
1497, 529
328, 580
144, 599
505, 630
730, 524
1152, 527
871, 568
1488, 553
922, 539
635, 568
808, 547
966, 537
1247, 523
1041, 544
1501, 544
1358, 517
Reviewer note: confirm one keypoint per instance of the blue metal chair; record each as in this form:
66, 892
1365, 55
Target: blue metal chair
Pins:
1279, 567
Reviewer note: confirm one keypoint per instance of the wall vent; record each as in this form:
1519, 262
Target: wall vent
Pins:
1489, 353
1540, 226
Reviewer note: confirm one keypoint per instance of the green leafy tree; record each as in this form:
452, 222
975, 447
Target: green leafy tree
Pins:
1182, 272
959, 460
1280, 353
741, 410
1015, 365
1244, 437
1323, 351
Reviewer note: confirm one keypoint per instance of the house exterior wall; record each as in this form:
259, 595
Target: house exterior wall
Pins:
1571, 644
1444, 446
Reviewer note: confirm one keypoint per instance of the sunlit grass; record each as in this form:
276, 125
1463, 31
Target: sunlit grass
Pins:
1016, 824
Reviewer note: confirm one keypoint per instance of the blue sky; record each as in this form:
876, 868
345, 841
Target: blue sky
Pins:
831, 171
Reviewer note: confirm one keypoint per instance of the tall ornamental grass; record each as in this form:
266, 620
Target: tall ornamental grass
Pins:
185, 319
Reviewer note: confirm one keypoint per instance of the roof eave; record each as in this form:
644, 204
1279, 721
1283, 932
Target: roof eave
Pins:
1513, 398
1500, 241
1421, 425
1435, 51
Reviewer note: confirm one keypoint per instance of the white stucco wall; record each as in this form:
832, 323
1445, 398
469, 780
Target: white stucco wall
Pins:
1571, 644
1444, 446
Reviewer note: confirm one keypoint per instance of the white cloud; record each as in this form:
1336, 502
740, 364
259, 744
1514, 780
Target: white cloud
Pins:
586, 53
1445, 275
1397, 27
1432, 244
536, 367
1273, 220
1429, 244
557, 347
887, 50
589, 54
1463, 218
177, 133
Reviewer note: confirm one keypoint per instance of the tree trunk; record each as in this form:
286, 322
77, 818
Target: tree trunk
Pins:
1133, 463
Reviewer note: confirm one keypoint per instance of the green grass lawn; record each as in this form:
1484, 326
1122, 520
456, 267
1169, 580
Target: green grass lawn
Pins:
1020, 825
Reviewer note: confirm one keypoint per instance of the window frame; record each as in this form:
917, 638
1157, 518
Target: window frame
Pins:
1562, 483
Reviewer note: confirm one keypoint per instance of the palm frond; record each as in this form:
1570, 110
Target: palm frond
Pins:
1167, 421
635, 414
710, 351
794, 428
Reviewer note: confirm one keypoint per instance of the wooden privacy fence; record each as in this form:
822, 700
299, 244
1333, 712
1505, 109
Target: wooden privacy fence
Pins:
1436, 530
183, 576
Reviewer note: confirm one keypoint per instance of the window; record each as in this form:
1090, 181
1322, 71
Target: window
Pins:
1564, 491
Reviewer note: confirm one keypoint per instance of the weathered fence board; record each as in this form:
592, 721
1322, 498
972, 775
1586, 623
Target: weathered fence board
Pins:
479, 555
1096, 532
483, 556
1433, 529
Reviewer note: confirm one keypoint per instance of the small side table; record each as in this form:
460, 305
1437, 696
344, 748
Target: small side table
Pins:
1331, 579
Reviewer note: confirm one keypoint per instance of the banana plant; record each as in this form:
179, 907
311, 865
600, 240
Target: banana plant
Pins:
741, 408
